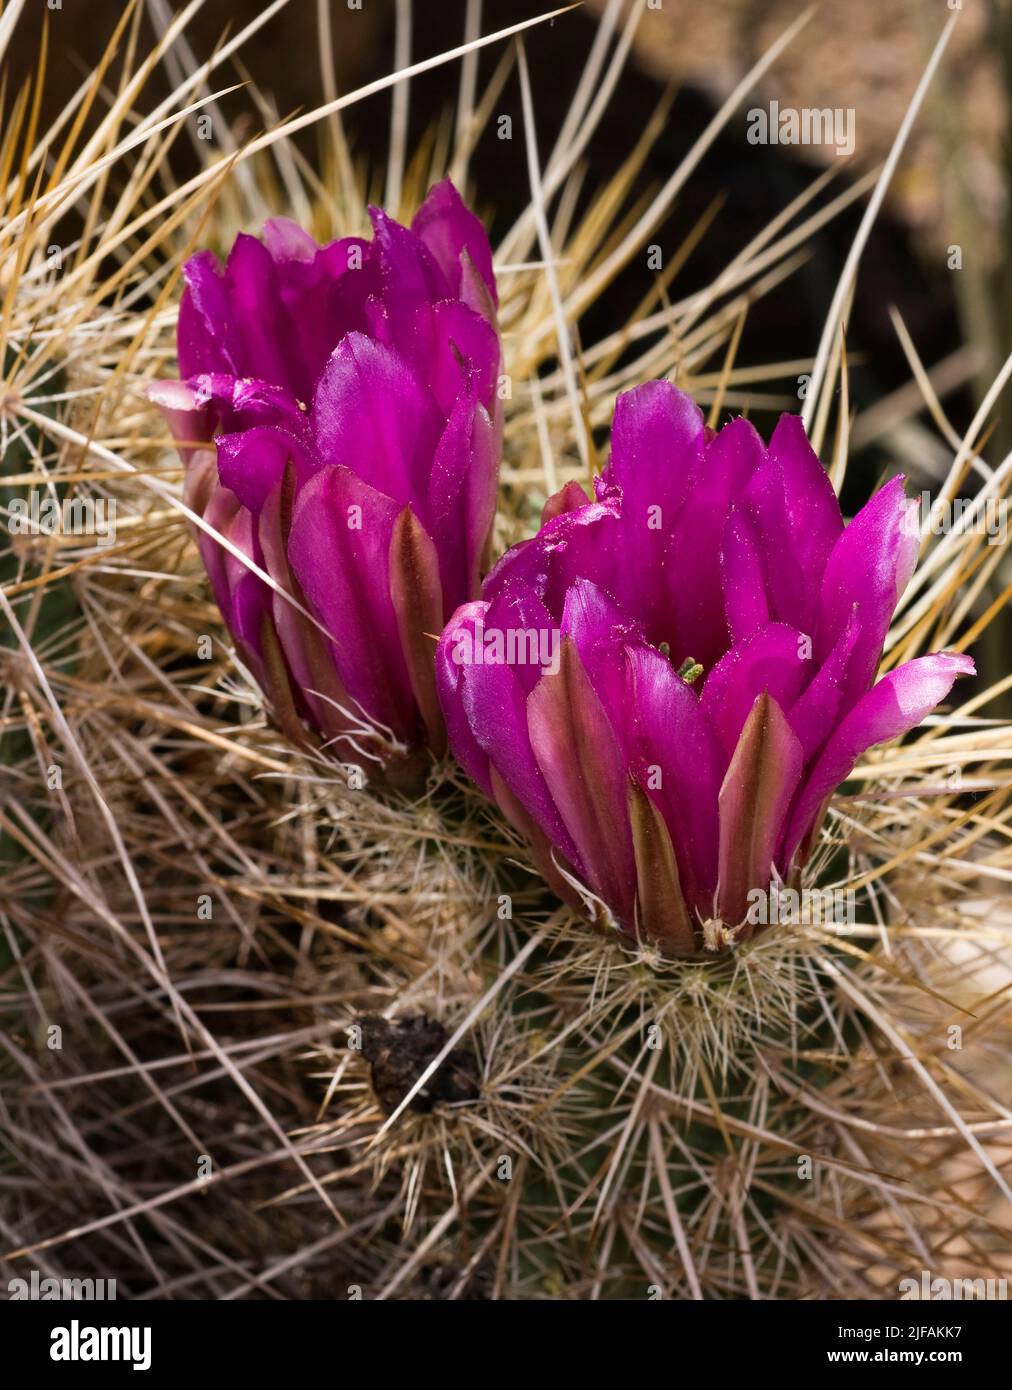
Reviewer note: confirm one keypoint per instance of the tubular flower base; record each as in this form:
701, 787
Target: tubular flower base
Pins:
351, 392
664, 687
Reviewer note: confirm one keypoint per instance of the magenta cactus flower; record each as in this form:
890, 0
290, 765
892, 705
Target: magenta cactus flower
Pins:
663, 688
351, 394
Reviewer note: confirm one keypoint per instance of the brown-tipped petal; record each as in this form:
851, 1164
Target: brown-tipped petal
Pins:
417, 597
277, 686
541, 846
584, 770
475, 292
303, 645
753, 803
661, 914
200, 480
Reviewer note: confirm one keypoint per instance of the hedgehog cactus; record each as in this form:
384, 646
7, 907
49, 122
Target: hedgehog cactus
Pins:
350, 390
720, 631
270, 1031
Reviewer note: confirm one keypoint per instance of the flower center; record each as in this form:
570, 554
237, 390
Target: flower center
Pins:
690, 669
